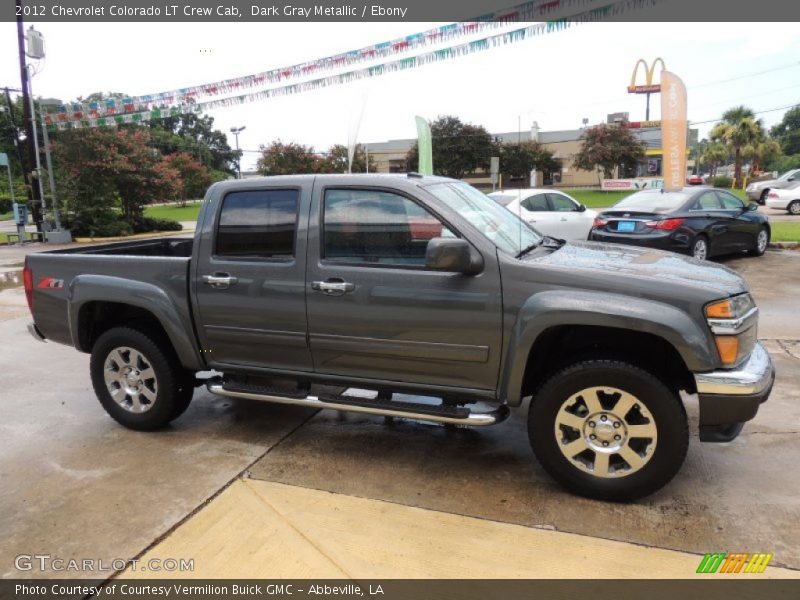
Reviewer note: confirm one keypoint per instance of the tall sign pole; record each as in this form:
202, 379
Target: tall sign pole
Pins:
30, 125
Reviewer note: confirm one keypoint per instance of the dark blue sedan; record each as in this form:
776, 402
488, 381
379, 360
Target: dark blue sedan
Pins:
702, 222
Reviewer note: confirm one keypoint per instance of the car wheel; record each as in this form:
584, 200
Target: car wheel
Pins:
608, 430
794, 207
762, 242
140, 385
700, 247
762, 199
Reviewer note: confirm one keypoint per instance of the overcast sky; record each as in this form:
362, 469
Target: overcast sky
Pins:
556, 79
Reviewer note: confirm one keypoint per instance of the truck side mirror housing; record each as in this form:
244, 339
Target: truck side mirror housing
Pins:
452, 254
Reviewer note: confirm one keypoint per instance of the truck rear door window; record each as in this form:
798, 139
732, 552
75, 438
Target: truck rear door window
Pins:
378, 228
258, 223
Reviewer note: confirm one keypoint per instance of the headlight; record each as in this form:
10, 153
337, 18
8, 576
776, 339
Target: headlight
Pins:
733, 322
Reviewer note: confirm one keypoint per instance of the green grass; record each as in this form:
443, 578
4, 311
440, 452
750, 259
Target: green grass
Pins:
783, 231
597, 198
174, 212
6, 216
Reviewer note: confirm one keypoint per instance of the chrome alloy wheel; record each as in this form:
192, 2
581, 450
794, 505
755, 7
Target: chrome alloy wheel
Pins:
762, 240
700, 249
130, 379
606, 432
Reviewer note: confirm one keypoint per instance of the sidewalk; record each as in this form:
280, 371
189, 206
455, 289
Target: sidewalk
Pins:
260, 529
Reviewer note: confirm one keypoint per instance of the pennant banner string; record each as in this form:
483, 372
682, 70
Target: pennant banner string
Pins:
107, 114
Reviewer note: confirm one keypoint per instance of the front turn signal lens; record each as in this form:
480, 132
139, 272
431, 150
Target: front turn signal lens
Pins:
728, 348
720, 310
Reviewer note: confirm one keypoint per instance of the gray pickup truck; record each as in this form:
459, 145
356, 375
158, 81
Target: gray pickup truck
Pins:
415, 285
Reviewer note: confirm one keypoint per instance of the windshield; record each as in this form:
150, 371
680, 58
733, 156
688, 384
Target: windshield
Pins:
786, 175
502, 227
502, 199
652, 201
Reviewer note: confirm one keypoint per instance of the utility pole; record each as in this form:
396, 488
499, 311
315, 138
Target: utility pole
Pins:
30, 125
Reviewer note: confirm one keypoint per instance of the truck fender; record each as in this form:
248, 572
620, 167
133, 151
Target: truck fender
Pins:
102, 288
554, 308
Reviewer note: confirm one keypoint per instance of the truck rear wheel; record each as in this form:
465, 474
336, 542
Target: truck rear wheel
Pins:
141, 385
608, 430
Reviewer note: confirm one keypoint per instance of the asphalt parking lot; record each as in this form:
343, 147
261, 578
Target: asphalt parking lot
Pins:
76, 484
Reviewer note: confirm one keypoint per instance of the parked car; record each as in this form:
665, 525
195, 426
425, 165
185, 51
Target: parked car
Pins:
703, 222
550, 212
296, 280
759, 190
695, 180
787, 199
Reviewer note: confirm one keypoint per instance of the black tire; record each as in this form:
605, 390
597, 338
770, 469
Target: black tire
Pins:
664, 406
756, 250
762, 199
694, 249
793, 208
168, 386
184, 396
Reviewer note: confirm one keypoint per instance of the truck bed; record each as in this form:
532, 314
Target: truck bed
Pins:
163, 263
172, 247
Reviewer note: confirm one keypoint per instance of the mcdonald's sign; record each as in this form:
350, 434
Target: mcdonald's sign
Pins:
649, 87
733, 563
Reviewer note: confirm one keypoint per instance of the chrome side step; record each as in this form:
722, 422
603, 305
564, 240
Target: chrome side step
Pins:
407, 410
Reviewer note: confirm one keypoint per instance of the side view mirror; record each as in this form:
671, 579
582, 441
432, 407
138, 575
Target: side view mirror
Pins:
581, 208
752, 206
452, 254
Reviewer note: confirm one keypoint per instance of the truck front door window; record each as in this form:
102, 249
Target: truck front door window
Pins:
377, 228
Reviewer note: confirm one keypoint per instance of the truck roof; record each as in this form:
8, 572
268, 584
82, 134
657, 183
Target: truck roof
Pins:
397, 179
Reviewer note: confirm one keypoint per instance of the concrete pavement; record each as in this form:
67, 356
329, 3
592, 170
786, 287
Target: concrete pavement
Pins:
377, 495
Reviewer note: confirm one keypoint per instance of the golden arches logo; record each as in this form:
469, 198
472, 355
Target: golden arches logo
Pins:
649, 86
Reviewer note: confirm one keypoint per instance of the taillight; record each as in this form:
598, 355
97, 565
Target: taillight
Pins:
599, 222
27, 280
666, 224
772, 195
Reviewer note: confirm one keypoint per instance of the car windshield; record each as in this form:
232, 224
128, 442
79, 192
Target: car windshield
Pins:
502, 227
786, 175
655, 202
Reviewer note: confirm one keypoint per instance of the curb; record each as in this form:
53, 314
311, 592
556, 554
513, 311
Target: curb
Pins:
784, 245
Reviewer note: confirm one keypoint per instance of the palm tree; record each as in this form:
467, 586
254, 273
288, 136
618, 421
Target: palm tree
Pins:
739, 128
762, 152
714, 154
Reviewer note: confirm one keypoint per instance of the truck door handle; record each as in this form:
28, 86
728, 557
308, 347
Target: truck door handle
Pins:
333, 287
220, 281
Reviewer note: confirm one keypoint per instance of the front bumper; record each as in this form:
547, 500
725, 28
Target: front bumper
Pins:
728, 398
34, 331
754, 195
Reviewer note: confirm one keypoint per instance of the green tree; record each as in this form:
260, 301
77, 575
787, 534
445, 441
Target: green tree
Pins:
762, 153
336, 160
195, 134
458, 148
714, 155
287, 159
518, 160
738, 129
787, 132
609, 147
105, 173
194, 177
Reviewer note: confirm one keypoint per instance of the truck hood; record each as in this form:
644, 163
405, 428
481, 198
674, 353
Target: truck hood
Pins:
615, 261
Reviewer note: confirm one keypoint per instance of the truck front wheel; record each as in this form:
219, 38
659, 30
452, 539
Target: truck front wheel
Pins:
140, 383
608, 430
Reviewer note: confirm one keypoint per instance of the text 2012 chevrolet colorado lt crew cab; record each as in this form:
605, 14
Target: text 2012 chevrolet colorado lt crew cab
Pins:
415, 284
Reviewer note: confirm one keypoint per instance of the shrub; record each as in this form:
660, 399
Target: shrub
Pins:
722, 182
5, 205
103, 224
145, 224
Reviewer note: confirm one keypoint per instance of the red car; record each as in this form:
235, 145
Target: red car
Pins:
694, 180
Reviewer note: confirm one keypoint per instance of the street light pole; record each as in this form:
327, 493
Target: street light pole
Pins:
236, 131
